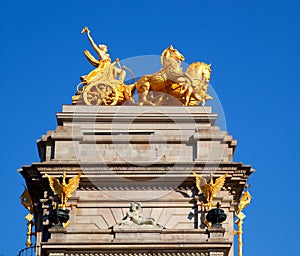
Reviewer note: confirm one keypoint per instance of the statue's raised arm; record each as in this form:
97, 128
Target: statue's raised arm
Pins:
100, 49
105, 84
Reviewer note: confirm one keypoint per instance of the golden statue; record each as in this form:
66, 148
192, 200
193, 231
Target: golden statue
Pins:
26, 201
243, 203
200, 73
171, 72
175, 87
64, 190
210, 189
169, 86
103, 85
104, 70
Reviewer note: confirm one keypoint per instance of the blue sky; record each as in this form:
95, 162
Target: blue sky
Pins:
254, 49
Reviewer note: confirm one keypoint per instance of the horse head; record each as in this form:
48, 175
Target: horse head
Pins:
199, 71
206, 71
169, 55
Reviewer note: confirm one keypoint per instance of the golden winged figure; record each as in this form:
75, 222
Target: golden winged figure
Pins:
209, 189
64, 190
244, 201
26, 200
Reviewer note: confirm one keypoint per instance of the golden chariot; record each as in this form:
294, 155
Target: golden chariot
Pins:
169, 86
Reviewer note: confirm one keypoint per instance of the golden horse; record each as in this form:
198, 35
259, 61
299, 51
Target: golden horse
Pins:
172, 85
200, 73
170, 73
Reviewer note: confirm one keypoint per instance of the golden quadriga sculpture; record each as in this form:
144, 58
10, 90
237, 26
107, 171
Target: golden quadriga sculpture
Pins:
169, 86
26, 201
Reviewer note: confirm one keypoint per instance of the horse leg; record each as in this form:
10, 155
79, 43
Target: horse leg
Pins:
205, 98
188, 96
182, 81
143, 97
183, 89
145, 87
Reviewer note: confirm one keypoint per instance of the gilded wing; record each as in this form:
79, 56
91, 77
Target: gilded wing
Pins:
219, 184
200, 183
72, 185
26, 200
55, 185
91, 58
244, 201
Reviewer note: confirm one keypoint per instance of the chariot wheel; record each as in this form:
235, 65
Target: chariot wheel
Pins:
100, 94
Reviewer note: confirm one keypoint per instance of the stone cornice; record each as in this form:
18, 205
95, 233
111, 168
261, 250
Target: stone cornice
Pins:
71, 113
139, 254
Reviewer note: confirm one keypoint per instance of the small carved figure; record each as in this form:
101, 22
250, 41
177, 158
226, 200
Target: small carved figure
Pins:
210, 189
64, 190
135, 216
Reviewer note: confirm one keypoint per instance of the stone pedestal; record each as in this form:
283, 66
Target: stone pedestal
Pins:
136, 154
216, 233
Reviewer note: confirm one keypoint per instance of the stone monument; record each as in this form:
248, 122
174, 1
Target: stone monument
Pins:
119, 178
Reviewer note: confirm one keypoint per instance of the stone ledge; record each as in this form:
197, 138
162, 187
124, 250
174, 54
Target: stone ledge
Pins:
147, 114
135, 109
137, 254
161, 245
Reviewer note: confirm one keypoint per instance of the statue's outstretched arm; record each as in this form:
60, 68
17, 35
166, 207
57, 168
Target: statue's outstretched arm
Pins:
96, 48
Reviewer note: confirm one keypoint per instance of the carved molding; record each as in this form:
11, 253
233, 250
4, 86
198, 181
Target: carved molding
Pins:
188, 167
216, 254
144, 254
126, 188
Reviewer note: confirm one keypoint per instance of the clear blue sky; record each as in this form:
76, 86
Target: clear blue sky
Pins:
254, 48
